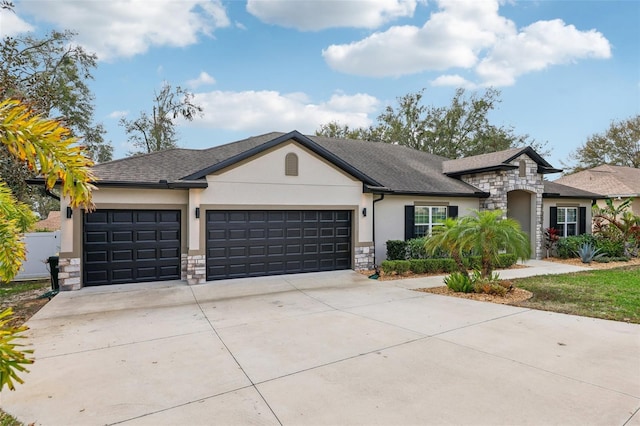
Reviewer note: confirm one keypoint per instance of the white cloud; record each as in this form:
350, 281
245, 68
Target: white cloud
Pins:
202, 80
11, 24
124, 28
468, 35
538, 46
453, 80
314, 15
118, 114
260, 111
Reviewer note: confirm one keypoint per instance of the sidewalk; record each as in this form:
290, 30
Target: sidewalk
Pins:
533, 268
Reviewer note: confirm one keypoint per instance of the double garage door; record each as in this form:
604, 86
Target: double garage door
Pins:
127, 246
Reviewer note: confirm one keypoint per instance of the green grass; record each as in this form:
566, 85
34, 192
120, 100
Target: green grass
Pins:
16, 287
612, 294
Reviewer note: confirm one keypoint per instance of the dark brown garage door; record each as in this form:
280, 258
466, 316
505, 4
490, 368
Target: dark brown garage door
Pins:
128, 246
256, 243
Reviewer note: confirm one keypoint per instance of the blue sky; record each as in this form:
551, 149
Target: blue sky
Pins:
566, 69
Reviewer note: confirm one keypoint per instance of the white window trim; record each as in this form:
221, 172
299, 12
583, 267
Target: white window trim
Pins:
430, 223
564, 225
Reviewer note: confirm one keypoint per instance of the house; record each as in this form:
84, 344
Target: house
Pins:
288, 203
616, 182
51, 223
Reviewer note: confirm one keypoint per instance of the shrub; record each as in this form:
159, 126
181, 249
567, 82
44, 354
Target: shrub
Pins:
415, 249
610, 248
396, 249
402, 266
606, 259
388, 266
506, 260
568, 246
418, 266
459, 282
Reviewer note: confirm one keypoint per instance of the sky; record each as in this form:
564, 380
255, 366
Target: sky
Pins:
566, 69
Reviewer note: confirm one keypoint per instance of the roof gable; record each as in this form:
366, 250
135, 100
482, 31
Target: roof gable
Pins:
500, 160
295, 136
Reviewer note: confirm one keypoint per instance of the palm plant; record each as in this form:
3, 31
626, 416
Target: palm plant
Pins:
488, 233
447, 238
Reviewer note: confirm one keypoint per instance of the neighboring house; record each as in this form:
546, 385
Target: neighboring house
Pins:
615, 182
289, 203
51, 223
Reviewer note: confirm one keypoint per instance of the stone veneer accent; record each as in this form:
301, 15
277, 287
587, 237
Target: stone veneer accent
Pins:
196, 269
364, 258
69, 274
499, 183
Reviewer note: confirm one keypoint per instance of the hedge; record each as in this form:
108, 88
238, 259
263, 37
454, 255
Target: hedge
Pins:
422, 266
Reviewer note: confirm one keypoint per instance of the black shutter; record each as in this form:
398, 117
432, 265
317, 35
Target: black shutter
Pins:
452, 212
582, 220
409, 222
553, 218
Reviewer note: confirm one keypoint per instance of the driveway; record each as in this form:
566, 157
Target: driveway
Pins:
321, 349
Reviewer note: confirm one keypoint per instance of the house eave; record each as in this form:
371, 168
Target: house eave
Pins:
501, 167
162, 184
388, 191
575, 197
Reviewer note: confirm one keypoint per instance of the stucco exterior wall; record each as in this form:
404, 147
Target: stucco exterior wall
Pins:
262, 184
390, 216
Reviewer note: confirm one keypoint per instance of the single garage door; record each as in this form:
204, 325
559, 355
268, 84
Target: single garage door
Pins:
128, 246
244, 243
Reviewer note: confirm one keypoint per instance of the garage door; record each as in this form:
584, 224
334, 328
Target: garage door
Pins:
128, 246
257, 243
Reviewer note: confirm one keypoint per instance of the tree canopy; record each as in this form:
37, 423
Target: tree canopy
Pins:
50, 74
619, 145
458, 130
156, 131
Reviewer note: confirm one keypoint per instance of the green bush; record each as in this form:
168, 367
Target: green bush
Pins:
610, 248
459, 282
403, 266
568, 246
415, 249
418, 266
388, 266
396, 250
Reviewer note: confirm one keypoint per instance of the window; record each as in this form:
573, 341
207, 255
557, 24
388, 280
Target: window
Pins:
291, 164
426, 217
567, 221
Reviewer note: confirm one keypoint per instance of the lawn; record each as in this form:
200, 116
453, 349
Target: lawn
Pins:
612, 294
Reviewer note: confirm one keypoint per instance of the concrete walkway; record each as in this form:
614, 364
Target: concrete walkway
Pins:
320, 349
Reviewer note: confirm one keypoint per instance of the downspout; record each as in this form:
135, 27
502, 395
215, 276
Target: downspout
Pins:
51, 194
373, 217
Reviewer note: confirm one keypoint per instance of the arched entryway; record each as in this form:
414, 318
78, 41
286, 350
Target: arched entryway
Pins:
521, 206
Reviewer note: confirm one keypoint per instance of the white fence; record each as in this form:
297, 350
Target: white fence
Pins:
40, 245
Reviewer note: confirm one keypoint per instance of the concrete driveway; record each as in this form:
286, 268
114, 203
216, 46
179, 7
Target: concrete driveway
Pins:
321, 349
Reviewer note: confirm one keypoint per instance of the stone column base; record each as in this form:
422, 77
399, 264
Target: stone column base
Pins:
69, 274
364, 258
196, 272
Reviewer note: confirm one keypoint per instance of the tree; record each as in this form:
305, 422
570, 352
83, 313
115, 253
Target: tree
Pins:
487, 232
459, 130
49, 74
157, 131
618, 146
47, 149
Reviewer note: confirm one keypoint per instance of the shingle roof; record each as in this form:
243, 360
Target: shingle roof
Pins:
499, 160
554, 189
392, 167
611, 181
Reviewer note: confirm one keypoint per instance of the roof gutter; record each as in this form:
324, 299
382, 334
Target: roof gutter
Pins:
384, 190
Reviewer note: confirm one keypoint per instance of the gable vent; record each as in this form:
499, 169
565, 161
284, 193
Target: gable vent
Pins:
291, 164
